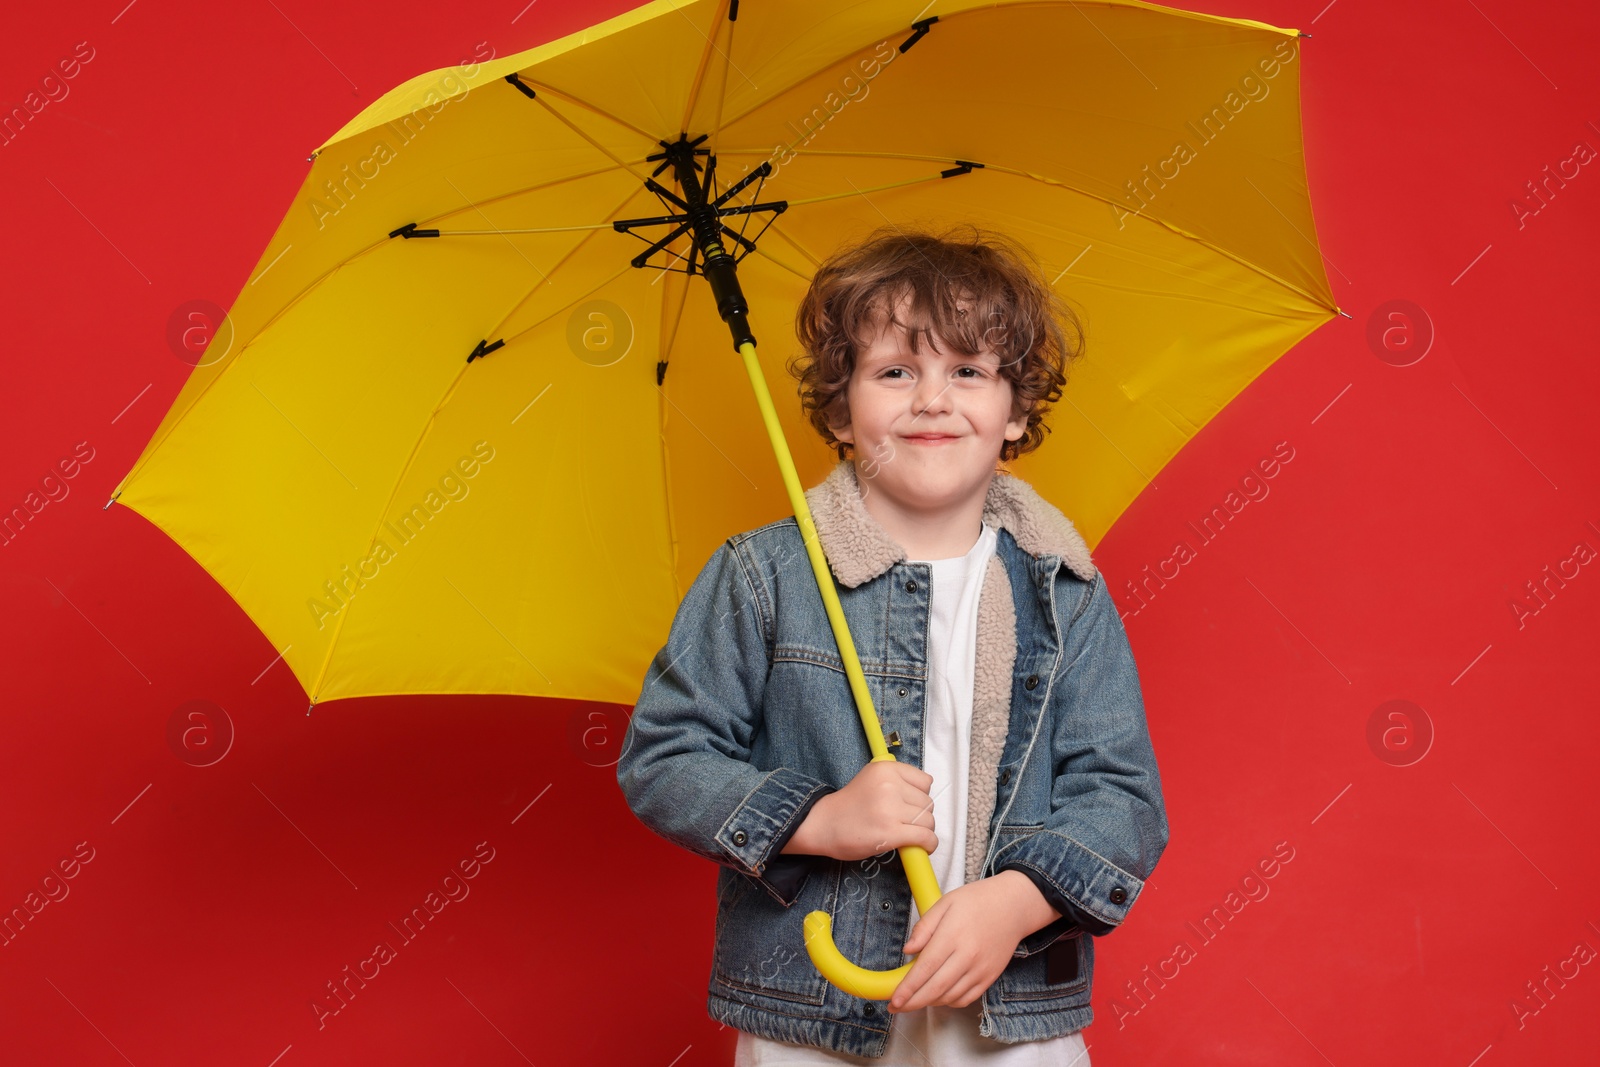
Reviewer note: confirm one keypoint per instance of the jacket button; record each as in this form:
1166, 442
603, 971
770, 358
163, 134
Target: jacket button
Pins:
1033, 680
739, 838
1005, 776
884, 905
903, 690
1118, 895
911, 587
869, 1009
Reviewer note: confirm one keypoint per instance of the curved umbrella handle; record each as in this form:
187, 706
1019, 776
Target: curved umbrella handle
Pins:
825, 955
832, 964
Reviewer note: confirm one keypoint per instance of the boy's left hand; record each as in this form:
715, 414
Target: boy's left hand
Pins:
967, 938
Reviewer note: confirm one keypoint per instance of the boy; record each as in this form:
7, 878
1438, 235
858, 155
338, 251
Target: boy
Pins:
999, 670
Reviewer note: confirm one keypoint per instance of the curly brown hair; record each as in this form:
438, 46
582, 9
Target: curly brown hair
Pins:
1036, 333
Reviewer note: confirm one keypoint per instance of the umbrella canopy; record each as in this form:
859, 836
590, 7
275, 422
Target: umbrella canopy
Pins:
489, 461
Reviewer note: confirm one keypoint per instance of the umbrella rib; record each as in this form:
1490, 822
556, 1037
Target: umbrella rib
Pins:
805, 78
802, 249
1204, 300
596, 144
154, 446
570, 253
661, 421
1224, 22
446, 215
1180, 231
670, 331
722, 97
625, 268
863, 192
333, 641
541, 87
705, 64
514, 193
770, 258
314, 283
443, 400
1000, 169
325, 275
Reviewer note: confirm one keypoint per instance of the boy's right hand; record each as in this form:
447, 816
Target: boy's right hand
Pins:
885, 806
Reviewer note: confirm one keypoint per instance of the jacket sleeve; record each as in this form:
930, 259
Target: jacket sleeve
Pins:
685, 767
1108, 823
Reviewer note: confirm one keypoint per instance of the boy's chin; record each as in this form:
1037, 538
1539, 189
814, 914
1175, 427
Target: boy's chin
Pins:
930, 479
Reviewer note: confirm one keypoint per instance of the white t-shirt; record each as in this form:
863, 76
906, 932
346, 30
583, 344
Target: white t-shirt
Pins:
939, 1035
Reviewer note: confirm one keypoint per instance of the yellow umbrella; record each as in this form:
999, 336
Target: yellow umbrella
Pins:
474, 427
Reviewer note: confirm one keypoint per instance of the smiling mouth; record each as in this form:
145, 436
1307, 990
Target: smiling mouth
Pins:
931, 438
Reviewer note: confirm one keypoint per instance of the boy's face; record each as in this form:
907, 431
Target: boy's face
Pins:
899, 399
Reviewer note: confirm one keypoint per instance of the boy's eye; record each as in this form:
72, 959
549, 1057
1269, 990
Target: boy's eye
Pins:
976, 371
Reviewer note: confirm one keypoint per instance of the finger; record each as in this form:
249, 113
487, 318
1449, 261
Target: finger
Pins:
962, 997
912, 797
969, 988
917, 991
919, 823
921, 836
924, 928
921, 969
945, 972
908, 985
916, 776
919, 810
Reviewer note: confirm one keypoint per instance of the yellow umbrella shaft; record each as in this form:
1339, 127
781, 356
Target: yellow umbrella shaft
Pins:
829, 961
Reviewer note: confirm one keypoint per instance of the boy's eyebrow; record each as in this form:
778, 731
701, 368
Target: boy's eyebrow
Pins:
904, 355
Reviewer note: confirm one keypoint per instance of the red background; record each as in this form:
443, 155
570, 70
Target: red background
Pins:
1420, 899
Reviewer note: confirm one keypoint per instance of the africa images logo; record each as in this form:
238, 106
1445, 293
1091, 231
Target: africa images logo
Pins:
342, 589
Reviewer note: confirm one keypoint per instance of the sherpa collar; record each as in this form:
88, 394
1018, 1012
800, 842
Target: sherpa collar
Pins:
859, 548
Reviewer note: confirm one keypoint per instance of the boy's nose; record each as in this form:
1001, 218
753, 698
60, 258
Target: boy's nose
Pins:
932, 397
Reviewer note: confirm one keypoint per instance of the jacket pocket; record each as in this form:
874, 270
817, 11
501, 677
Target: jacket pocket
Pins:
1028, 980
760, 944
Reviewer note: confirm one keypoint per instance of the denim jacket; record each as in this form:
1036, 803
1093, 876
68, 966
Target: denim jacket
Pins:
746, 718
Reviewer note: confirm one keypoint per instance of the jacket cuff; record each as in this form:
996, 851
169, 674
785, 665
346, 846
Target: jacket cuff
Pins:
1043, 937
764, 822
1082, 885
785, 874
